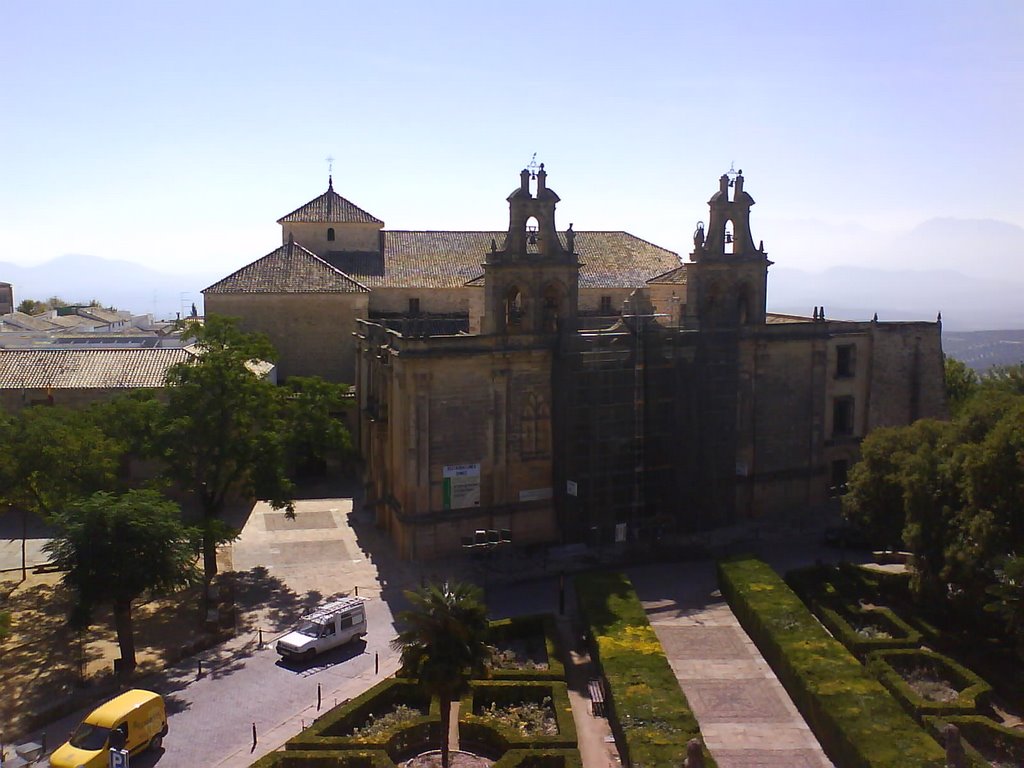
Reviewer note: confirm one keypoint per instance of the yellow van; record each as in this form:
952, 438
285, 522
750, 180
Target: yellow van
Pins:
138, 717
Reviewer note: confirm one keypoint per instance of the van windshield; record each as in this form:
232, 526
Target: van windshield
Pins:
89, 737
310, 629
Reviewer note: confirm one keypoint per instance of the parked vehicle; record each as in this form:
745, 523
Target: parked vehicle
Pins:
329, 626
136, 720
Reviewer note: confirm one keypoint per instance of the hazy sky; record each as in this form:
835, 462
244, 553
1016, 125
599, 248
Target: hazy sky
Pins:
176, 133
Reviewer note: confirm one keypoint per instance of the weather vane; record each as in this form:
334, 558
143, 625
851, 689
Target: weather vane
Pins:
532, 167
732, 173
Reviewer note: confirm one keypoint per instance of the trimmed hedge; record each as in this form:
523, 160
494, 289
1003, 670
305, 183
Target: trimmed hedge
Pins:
981, 733
857, 722
973, 692
538, 627
332, 730
318, 759
648, 712
485, 735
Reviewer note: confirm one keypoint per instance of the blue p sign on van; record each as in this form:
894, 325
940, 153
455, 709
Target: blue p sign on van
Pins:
118, 758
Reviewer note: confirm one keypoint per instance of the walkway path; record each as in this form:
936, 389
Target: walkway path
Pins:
745, 716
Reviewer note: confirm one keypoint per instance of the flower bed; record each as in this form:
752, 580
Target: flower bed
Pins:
346, 726
527, 649
319, 759
496, 716
856, 720
864, 630
647, 710
928, 683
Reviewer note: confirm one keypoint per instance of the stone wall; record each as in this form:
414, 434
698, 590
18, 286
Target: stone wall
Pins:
347, 236
312, 332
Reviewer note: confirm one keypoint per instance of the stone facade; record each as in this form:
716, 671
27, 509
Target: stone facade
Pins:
6, 299
684, 407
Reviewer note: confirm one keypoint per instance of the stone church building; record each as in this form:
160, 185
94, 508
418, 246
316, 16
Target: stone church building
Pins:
576, 386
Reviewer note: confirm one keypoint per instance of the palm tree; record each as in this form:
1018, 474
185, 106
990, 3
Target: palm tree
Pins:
444, 643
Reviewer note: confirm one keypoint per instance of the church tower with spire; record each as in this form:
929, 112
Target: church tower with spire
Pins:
531, 280
728, 277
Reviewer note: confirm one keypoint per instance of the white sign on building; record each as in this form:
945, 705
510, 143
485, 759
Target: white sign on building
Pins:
461, 486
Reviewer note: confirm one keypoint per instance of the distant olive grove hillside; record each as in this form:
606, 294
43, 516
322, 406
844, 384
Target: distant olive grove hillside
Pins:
981, 350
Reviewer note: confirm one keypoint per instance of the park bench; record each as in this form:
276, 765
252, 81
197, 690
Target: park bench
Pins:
596, 689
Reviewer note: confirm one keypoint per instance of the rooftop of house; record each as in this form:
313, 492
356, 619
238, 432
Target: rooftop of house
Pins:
330, 207
87, 368
439, 259
288, 269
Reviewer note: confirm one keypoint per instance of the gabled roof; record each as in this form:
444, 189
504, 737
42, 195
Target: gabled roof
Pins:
289, 269
446, 259
330, 207
675, 276
86, 368
28, 322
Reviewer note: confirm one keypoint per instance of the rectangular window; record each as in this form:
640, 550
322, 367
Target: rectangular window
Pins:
606, 305
414, 306
842, 416
846, 358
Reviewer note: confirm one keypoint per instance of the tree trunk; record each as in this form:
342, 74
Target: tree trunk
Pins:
209, 552
446, 724
125, 634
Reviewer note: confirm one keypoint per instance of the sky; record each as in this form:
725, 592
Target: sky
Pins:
176, 134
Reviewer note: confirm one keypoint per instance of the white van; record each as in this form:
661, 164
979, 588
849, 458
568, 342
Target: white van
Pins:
329, 626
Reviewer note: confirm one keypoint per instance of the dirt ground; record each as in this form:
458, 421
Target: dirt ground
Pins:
43, 662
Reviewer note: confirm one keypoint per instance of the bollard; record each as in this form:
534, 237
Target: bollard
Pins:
319, 699
199, 668
260, 643
253, 738
694, 755
376, 663
357, 590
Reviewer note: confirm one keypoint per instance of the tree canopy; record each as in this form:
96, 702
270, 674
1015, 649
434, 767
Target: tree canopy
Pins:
114, 549
953, 494
443, 643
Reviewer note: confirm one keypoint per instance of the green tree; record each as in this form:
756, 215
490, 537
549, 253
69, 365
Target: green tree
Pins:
229, 431
114, 549
49, 457
443, 644
961, 383
312, 411
1007, 593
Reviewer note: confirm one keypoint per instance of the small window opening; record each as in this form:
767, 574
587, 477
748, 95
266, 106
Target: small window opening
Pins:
606, 305
330, 233
842, 416
414, 306
513, 310
846, 356
728, 240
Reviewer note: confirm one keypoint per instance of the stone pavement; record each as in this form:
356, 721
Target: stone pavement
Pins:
746, 717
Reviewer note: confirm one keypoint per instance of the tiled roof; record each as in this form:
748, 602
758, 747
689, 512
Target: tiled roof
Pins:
428, 259
675, 276
86, 368
330, 207
289, 269
26, 322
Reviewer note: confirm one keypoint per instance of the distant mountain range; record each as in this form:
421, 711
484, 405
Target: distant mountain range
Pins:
969, 270
121, 284
982, 349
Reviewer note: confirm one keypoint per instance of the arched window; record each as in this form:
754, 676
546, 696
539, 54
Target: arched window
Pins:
513, 310
531, 231
330, 233
728, 240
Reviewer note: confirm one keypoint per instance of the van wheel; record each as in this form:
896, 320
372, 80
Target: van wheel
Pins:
156, 742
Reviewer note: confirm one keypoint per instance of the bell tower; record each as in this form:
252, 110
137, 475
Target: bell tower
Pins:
531, 281
728, 279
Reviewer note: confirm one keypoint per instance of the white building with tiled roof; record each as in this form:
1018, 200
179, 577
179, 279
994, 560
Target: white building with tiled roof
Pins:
338, 263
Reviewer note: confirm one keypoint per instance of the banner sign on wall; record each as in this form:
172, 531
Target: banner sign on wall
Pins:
461, 486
